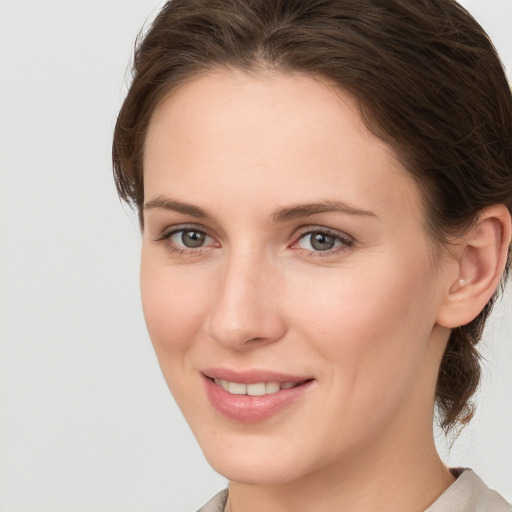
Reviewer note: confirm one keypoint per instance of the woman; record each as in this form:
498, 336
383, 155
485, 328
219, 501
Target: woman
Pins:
325, 193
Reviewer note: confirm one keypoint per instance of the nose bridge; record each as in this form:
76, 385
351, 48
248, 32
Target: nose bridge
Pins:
244, 305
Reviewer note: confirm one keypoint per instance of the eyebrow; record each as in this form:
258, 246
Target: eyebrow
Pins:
280, 215
309, 209
177, 206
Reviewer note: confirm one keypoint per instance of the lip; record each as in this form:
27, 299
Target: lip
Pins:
252, 409
252, 376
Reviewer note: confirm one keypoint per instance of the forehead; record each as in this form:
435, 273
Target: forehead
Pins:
277, 136
257, 108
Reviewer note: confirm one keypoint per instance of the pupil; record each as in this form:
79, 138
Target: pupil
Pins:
322, 242
192, 239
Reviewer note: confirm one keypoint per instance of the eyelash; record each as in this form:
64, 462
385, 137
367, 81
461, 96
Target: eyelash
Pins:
165, 238
346, 241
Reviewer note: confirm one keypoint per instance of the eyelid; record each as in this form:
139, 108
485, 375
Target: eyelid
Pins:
166, 239
346, 240
171, 230
307, 230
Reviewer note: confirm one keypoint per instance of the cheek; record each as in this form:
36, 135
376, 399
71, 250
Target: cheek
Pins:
368, 321
371, 330
173, 307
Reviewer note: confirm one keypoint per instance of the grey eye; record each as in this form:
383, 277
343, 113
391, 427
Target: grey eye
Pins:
320, 241
189, 238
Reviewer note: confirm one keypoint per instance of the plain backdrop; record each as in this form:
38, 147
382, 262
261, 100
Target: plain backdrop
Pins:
86, 421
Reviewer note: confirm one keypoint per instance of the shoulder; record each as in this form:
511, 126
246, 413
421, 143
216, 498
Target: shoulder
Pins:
469, 494
217, 503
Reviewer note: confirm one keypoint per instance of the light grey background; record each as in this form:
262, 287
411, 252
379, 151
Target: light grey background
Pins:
86, 421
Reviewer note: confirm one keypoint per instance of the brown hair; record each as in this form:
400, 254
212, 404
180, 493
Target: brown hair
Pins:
426, 77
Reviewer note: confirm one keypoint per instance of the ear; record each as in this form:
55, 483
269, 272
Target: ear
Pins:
480, 261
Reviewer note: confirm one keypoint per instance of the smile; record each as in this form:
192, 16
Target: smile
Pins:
253, 396
255, 389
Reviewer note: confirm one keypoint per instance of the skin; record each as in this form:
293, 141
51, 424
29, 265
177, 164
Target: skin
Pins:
361, 318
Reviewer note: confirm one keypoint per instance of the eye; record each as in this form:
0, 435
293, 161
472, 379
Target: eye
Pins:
190, 238
323, 241
187, 240
317, 241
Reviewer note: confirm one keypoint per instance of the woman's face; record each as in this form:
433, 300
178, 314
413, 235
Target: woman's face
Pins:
288, 283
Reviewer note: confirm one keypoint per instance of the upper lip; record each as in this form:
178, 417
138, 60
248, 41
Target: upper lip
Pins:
252, 376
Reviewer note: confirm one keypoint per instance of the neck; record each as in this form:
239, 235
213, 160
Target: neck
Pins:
398, 469
385, 478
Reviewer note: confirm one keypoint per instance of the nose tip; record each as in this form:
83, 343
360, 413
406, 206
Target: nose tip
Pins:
245, 312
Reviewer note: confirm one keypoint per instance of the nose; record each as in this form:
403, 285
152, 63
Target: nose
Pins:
245, 305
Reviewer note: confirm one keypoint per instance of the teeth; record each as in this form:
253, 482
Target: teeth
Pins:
272, 387
224, 384
237, 388
256, 389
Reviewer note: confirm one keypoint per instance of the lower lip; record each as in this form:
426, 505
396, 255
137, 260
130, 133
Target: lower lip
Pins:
251, 409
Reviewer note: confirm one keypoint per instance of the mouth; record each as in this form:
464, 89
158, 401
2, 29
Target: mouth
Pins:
250, 397
256, 388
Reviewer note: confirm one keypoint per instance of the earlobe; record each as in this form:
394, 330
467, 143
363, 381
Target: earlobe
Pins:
480, 265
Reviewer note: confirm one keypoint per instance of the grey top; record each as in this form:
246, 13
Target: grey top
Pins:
217, 503
467, 494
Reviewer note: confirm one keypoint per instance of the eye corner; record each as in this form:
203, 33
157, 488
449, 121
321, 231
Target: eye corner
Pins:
187, 240
329, 242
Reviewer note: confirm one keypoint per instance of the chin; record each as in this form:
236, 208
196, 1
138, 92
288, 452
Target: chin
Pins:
253, 472
256, 459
